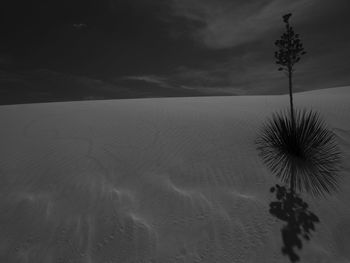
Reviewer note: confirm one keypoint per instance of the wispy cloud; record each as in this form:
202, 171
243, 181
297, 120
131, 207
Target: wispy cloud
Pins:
246, 76
158, 80
246, 29
228, 23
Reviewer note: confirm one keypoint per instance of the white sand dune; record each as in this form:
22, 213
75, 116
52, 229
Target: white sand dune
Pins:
156, 180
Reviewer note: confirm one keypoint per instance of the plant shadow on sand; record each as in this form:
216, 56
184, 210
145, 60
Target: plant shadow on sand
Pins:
300, 221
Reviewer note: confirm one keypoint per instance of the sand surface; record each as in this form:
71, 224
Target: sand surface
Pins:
156, 180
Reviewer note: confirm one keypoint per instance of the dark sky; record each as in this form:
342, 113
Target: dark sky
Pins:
217, 45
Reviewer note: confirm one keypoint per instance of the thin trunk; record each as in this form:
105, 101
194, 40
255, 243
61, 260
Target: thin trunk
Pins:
292, 182
291, 96
290, 82
290, 75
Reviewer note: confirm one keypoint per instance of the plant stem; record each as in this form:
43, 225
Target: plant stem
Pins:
291, 97
290, 74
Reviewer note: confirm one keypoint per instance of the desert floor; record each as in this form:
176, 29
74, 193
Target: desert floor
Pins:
157, 180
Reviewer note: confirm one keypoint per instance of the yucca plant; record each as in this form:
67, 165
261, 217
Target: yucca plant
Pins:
304, 154
297, 146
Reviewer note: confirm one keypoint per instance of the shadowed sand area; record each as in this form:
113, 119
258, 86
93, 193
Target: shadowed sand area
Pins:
156, 180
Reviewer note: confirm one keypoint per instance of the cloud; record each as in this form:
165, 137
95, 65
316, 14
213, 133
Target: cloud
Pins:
224, 24
79, 26
158, 80
241, 75
191, 80
255, 73
241, 34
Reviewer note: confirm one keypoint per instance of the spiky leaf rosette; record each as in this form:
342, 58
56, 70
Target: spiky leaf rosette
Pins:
306, 157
